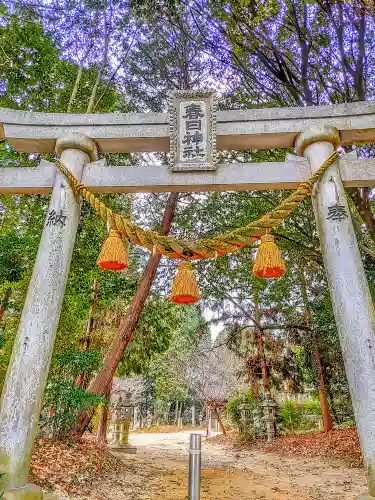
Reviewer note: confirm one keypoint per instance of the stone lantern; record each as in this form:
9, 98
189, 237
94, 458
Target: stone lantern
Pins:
269, 414
121, 419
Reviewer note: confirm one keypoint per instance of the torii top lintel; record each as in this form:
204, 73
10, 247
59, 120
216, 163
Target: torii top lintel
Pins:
149, 132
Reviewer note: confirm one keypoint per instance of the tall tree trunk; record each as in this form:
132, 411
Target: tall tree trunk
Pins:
363, 203
75, 88
81, 379
221, 424
78, 79
103, 64
255, 388
101, 436
100, 383
2, 312
166, 414
4, 303
209, 422
261, 355
176, 413
330, 398
327, 419
201, 416
263, 363
359, 80
179, 418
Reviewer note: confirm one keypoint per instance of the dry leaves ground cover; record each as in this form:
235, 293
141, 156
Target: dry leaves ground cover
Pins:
341, 444
311, 466
70, 466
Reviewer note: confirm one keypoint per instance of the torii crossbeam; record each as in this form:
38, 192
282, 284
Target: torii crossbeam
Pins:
313, 131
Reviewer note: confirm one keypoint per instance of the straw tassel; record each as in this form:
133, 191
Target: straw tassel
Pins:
114, 254
268, 262
185, 288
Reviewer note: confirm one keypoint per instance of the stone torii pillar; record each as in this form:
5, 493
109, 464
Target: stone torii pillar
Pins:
350, 294
23, 390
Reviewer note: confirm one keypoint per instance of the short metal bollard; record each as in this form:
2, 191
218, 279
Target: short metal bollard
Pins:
194, 467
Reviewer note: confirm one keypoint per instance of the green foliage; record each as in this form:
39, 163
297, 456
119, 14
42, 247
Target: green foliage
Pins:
236, 400
35, 77
312, 407
295, 417
2, 493
114, 288
329, 347
14, 254
62, 403
160, 322
256, 424
21, 219
290, 415
165, 369
71, 364
304, 357
64, 400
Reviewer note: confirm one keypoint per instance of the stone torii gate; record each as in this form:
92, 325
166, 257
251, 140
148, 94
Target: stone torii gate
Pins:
314, 132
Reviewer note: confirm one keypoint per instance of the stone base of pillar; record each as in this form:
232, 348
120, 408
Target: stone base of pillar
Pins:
28, 492
123, 448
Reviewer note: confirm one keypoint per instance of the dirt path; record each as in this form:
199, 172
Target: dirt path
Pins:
159, 471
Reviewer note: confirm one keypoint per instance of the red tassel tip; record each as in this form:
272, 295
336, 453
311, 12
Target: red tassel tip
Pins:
270, 272
112, 266
114, 254
184, 299
268, 262
185, 289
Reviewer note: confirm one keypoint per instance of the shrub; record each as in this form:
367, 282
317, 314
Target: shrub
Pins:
295, 417
290, 416
312, 407
256, 419
63, 398
235, 402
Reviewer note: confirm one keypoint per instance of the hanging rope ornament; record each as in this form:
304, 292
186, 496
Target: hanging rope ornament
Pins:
206, 248
114, 253
185, 288
268, 262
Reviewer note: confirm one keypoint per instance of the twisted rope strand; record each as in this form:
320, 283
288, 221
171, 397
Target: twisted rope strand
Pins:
205, 248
